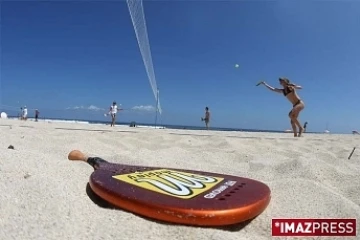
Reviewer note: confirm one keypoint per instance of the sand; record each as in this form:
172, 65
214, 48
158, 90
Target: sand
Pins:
43, 195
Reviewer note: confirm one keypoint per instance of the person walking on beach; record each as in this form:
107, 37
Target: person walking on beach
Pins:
305, 124
25, 113
113, 111
36, 115
289, 91
206, 119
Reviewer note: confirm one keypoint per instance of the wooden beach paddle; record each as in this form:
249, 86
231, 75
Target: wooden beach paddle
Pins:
177, 195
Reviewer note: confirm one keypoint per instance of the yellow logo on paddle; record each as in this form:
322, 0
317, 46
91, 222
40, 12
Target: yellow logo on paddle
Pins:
174, 183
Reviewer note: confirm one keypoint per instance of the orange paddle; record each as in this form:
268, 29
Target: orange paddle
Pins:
177, 195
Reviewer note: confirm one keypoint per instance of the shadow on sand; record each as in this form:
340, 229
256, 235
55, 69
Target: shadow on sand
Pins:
104, 204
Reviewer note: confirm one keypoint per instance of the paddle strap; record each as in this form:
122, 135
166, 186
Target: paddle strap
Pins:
95, 161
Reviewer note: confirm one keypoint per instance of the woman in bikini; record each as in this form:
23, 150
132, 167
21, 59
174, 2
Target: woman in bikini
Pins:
289, 91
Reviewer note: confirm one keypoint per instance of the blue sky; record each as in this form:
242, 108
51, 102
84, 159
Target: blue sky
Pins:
59, 55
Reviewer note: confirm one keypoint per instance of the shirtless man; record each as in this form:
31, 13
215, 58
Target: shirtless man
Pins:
36, 115
305, 124
289, 91
206, 118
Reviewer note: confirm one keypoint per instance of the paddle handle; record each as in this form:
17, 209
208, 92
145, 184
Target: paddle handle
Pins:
76, 155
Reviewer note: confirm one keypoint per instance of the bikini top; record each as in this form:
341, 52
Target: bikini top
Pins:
287, 90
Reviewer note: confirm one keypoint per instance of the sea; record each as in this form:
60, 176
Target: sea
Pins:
153, 125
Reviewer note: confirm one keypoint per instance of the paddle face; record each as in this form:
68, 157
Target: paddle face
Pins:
180, 196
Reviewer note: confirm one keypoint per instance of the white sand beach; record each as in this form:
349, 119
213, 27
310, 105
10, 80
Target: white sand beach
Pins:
43, 194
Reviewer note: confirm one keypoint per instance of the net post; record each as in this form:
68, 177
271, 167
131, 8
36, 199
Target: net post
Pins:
157, 106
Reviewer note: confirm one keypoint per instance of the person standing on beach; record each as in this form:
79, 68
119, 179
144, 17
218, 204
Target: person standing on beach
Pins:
206, 119
289, 91
25, 113
36, 115
305, 124
113, 111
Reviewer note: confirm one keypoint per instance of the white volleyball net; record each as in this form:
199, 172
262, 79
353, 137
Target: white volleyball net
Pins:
136, 10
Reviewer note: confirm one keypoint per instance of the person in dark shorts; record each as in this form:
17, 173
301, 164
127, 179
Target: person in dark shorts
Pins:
36, 115
305, 124
206, 119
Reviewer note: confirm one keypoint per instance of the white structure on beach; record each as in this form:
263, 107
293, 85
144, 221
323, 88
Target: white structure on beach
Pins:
3, 115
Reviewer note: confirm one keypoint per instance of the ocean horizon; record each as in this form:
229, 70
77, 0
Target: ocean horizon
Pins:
159, 125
